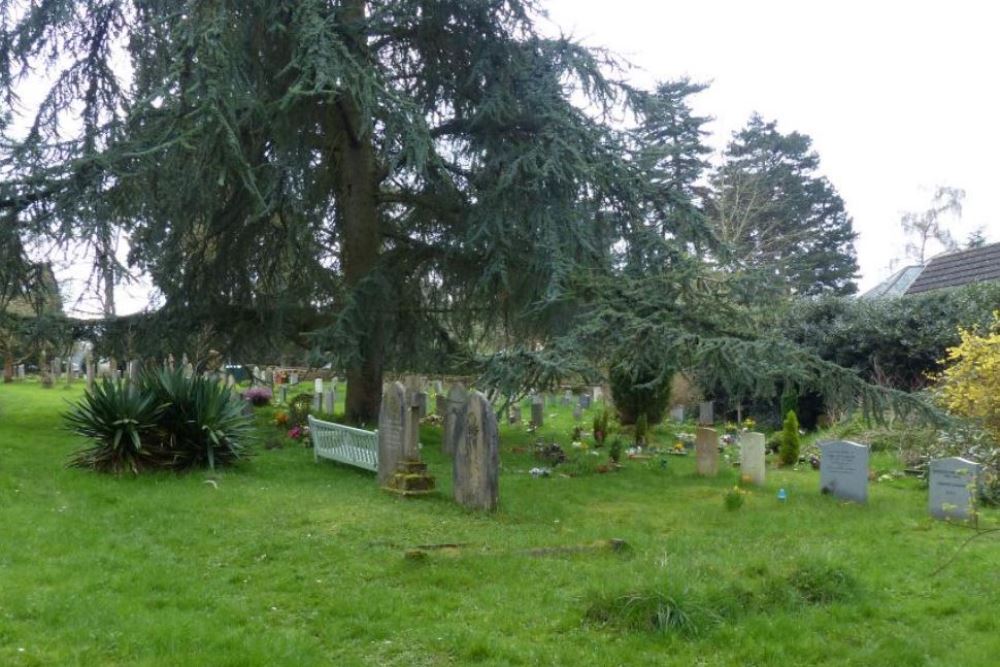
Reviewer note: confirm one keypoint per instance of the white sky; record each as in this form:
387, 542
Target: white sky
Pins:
898, 96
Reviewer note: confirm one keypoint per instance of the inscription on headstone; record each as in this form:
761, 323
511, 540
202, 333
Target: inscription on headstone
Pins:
752, 465
843, 470
706, 446
476, 468
954, 485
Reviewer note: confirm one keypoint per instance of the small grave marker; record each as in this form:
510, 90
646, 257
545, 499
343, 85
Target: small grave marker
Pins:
706, 445
954, 485
752, 466
843, 470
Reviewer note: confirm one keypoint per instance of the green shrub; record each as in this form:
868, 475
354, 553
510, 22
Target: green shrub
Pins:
122, 424
644, 611
165, 421
639, 388
641, 429
789, 450
615, 452
734, 499
820, 583
601, 427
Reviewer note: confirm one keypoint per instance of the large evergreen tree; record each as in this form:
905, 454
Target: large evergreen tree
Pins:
415, 169
780, 222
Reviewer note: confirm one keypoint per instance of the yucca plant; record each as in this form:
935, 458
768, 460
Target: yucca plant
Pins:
203, 423
121, 421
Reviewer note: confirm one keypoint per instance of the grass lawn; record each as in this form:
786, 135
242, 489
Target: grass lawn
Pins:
283, 561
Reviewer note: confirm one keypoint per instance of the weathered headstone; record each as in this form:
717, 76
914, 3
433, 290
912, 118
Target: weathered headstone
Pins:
440, 405
454, 419
843, 470
392, 435
585, 401
567, 397
328, 399
706, 446
577, 413
752, 463
954, 486
677, 413
537, 413
706, 413
598, 393
420, 400
293, 378
476, 467
318, 386
515, 413
317, 403
438, 387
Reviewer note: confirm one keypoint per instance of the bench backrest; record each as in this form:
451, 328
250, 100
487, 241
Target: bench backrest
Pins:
346, 444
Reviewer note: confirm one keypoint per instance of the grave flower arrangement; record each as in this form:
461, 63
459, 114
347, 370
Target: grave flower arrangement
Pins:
298, 432
258, 396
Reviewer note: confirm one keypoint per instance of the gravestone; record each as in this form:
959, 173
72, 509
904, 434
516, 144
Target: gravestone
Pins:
317, 403
476, 468
293, 379
438, 387
269, 377
577, 413
454, 418
21, 371
752, 465
440, 405
392, 431
318, 386
133, 371
954, 486
585, 401
420, 399
706, 446
706, 413
843, 470
677, 413
537, 413
328, 400
598, 393
567, 397
515, 413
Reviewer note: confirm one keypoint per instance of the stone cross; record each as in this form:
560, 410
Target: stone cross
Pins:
392, 431
752, 465
706, 413
706, 446
843, 470
954, 486
454, 418
537, 412
476, 467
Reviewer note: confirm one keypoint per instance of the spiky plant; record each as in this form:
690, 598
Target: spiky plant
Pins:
121, 422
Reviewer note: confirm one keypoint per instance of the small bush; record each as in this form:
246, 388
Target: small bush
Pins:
258, 396
615, 452
641, 430
644, 611
789, 450
734, 499
819, 583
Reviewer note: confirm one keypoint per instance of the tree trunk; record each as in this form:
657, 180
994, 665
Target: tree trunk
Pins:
356, 182
8, 369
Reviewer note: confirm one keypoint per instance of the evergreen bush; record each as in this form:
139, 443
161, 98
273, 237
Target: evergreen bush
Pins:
638, 388
789, 450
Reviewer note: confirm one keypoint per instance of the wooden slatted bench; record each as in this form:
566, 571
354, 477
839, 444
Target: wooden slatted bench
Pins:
344, 444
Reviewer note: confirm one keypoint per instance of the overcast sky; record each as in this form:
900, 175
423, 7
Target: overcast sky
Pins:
898, 96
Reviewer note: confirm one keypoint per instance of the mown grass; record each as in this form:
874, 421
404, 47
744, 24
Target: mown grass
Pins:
283, 561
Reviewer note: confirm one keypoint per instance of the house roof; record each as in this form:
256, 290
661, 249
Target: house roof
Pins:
896, 284
954, 269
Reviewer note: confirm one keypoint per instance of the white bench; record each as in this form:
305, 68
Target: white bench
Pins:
344, 444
